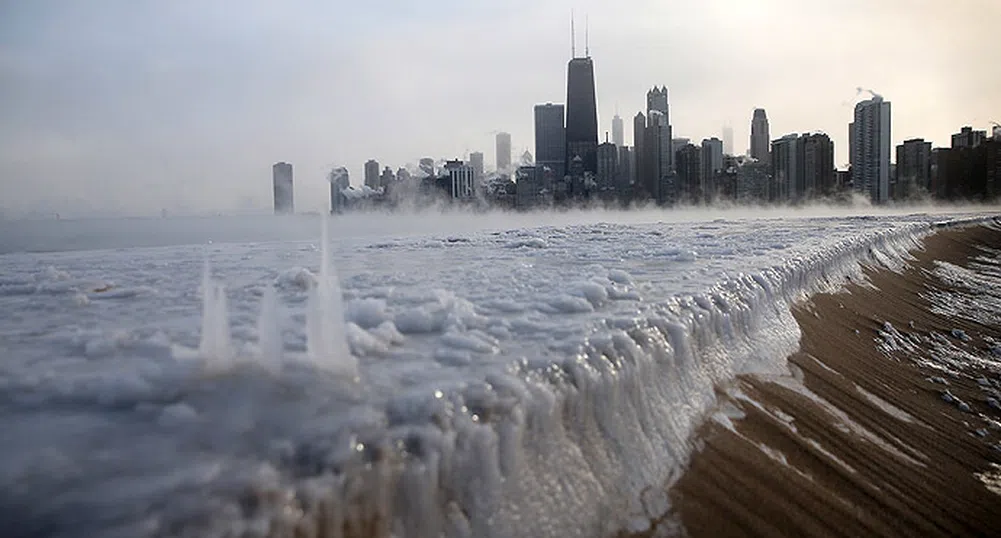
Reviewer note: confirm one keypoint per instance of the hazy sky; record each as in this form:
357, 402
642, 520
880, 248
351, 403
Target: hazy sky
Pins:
129, 106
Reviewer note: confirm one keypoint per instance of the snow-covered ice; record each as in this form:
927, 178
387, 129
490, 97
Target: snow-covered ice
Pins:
501, 381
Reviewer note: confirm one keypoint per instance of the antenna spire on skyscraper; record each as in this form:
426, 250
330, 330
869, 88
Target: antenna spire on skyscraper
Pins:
573, 38
587, 45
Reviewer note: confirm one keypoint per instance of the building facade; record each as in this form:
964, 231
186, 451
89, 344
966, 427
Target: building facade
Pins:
339, 182
476, 161
372, 174
550, 138
608, 167
503, 148
760, 137
913, 168
281, 179
425, 167
688, 162
818, 166
869, 148
461, 180
618, 134
582, 115
712, 166
968, 138
787, 162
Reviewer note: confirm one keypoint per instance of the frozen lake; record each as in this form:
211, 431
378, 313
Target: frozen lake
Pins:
509, 375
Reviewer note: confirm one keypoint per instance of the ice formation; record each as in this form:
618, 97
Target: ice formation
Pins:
541, 382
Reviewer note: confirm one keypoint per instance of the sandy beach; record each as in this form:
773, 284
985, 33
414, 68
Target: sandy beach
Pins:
861, 439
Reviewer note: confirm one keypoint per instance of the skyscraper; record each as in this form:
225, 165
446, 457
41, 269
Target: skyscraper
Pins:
759, 136
608, 166
913, 167
281, 178
582, 114
658, 113
656, 99
387, 178
372, 174
787, 163
476, 161
712, 164
689, 161
618, 137
639, 129
818, 166
503, 152
550, 139
869, 136
656, 176
727, 140
339, 181
968, 138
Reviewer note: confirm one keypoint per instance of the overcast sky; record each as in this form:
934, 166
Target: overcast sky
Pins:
130, 106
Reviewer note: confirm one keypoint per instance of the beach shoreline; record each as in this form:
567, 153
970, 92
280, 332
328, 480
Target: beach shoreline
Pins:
860, 439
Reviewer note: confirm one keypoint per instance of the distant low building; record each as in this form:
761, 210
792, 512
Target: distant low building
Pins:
281, 178
462, 180
532, 190
426, 167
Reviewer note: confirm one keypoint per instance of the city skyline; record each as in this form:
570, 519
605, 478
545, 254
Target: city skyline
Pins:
185, 109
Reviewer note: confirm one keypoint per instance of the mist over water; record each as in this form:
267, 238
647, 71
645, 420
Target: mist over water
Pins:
89, 234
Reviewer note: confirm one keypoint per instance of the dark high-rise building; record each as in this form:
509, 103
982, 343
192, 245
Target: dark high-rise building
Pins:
372, 174
656, 177
689, 166
503, 152
387, 178
787, 166
869, 147
550, 139
625, 179
760, 138
656, 99
339, 181
968, 138
712, 165
658, 113
913, 168
281, 178
639, 151
582, 115
608, 166
818, 165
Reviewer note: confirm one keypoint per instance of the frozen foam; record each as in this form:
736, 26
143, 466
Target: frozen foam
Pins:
547, 390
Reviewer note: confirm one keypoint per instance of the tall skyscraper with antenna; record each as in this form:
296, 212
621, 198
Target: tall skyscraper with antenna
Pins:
581, 108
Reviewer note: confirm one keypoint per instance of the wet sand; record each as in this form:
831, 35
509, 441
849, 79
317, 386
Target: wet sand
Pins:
813, 455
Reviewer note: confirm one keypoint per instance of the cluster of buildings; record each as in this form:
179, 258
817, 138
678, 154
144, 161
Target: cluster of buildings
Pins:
572, 167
